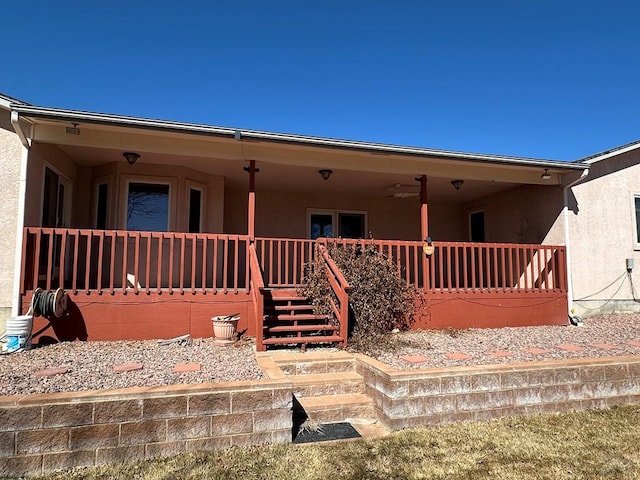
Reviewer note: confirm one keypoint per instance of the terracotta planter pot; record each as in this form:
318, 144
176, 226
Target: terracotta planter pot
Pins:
224, 329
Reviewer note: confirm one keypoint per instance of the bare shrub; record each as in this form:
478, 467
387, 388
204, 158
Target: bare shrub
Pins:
379, 299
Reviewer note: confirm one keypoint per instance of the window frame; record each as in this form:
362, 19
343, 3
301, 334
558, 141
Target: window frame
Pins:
124, 197
202, 188
636, 217
484, 224
108, 181
335, 223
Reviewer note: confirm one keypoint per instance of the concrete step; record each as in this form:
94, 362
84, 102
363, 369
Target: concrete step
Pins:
303, 340
338, 407
337, 383
297, 363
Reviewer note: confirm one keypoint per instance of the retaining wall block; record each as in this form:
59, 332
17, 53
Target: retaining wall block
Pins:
188, 428
117, 411
90, 437
20, 418
145, 431
67, 415
164, 407
209, 403
232, 424
42, 441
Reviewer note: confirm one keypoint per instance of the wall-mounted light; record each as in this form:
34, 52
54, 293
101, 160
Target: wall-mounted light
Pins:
131, 157
325, 174
73, 130
457, 184
546, 175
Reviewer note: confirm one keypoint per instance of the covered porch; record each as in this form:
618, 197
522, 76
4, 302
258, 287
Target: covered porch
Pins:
242, 213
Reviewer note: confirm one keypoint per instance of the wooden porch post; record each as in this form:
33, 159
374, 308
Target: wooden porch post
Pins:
424, 214
251, 207
424, 230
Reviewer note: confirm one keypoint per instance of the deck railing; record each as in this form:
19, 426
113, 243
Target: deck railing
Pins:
283, 260
257, 294
83, 260
340, 288
473, 267
108, 261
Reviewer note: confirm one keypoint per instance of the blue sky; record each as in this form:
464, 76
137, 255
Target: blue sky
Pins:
547, 79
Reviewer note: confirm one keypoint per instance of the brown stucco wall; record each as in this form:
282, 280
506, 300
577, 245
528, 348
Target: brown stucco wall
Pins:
525, 214
284, 214
84, 180
10, 159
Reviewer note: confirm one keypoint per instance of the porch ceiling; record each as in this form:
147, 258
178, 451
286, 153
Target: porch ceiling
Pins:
293, 178
294, 167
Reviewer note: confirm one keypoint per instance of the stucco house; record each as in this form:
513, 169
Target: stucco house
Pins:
152, 226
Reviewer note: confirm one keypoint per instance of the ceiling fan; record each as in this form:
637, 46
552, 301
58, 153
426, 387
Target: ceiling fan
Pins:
399, 190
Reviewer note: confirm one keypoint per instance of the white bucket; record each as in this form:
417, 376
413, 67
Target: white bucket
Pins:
18, 333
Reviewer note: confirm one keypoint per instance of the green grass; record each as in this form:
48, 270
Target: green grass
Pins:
588, 445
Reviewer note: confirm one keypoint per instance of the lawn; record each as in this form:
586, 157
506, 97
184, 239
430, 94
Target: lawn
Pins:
587, 445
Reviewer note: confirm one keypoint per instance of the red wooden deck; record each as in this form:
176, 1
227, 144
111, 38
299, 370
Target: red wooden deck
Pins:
144, 285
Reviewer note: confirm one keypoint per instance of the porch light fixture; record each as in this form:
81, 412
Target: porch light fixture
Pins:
325, 174
131, 157
72, 130
457, 184
546, 175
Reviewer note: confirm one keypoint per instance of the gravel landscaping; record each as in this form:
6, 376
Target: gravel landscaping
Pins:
600, 336
90, 365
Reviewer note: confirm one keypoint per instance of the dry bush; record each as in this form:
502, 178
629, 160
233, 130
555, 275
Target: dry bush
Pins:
379, 299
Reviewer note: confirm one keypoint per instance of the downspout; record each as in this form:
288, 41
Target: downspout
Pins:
22, 191
567, 243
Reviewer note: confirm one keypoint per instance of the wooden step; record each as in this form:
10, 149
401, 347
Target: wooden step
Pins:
302, 328
300, 340
285, 308
337, 407
299, 316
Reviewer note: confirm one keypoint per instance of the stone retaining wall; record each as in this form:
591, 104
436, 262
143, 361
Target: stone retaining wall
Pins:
43, 433
406, 399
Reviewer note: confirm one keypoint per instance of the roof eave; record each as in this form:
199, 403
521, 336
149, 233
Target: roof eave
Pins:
125, 121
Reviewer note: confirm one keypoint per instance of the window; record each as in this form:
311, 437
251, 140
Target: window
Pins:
101, 210
637, 205
476, 226
332, 223
56, 204
195, 210
148, 207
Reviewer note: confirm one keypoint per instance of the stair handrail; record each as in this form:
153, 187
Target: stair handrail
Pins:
257, 294
341, 289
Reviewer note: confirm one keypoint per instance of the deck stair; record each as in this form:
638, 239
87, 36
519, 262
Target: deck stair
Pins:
327, 389
289, 319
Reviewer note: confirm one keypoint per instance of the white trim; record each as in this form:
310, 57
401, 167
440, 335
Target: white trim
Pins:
484, 223
636, 218
22, 195
108, 181
68, 194
171, 182
193, 185
612, 153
